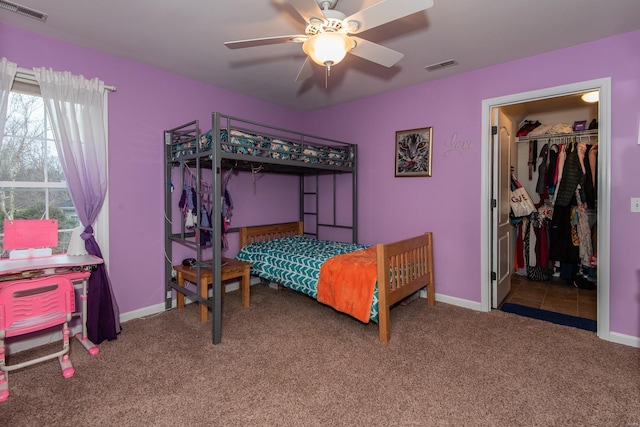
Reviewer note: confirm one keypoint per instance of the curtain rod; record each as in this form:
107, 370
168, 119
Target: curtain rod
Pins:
28, 76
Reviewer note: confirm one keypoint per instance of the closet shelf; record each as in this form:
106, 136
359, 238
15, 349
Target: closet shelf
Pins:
587, 136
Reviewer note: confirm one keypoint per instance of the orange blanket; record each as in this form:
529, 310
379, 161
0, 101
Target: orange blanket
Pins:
347, 282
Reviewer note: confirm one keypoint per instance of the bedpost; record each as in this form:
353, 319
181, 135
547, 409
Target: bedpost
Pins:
431, 291
243, 237
383, 294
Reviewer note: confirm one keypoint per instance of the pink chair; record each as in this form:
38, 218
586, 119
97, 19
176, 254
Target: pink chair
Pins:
30, 305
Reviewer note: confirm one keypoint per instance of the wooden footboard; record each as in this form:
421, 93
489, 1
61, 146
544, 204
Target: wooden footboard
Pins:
404, 267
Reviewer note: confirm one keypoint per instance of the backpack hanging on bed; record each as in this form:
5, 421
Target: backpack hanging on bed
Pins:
227, 210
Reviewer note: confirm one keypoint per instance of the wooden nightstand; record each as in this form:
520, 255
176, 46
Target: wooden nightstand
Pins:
231, 269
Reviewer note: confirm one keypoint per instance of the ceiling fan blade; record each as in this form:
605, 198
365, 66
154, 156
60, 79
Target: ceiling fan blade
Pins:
239, 44
306, 71
307, 9
375, 53
386, 11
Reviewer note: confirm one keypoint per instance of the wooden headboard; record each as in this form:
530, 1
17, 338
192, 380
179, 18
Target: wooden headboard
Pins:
266, 233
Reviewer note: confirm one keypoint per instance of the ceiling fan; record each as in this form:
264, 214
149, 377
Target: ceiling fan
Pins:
329, 33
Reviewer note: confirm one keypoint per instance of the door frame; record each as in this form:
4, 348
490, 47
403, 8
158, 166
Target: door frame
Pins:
604, 189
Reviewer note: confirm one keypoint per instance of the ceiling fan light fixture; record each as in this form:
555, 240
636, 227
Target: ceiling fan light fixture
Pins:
327, 49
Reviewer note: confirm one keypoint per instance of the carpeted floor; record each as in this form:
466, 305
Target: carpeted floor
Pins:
289, 361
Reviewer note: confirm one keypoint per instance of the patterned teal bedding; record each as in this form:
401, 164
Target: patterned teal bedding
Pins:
295, 262
264, 146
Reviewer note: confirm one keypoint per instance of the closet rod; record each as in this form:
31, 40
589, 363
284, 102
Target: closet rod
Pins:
24, 75
589, 136
565, 140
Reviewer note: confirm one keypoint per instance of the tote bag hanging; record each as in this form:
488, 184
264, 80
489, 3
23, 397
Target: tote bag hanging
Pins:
521, 204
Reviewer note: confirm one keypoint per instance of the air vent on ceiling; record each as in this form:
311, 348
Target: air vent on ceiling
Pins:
440, 65
23, 10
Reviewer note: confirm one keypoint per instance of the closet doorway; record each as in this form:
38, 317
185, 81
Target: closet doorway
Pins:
505, 152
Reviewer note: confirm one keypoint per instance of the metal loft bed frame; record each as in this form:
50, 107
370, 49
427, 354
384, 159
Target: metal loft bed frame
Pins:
277, 150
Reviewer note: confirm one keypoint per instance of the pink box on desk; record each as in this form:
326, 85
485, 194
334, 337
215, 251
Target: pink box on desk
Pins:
30, 233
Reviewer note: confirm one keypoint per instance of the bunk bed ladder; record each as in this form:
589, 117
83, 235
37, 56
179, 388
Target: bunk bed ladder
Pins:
309, 206
306, 210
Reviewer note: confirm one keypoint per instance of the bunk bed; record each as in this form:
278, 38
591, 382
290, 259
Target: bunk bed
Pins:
232, 143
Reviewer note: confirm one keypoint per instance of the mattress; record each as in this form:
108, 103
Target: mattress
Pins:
295, 262
263, 146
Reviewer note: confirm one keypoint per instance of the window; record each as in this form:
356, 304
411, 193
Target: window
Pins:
32, 183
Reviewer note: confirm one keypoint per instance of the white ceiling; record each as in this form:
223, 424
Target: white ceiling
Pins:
187, 38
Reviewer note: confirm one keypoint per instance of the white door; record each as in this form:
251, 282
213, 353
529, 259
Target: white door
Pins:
502, 240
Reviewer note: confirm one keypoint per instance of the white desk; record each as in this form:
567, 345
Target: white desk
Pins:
15, 269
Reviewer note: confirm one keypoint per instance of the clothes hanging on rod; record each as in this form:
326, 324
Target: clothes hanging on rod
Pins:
572, 175
562, 228
194, 216
533, 153
192, 213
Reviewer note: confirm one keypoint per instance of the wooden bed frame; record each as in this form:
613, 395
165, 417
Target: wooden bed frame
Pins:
405, 266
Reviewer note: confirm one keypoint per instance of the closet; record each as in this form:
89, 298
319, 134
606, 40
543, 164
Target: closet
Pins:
554, 157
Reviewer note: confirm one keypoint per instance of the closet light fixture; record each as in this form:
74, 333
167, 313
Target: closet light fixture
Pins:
591, 96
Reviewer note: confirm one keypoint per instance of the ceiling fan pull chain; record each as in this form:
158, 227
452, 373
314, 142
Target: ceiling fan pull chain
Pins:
326, 76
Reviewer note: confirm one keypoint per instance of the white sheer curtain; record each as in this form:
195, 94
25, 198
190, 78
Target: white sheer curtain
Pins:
77, 109
8, 71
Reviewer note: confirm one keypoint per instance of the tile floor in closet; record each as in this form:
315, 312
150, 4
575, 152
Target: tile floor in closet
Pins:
554, 295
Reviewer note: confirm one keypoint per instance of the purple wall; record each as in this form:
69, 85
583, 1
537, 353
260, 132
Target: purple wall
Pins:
147, 102
150, 100
448, 202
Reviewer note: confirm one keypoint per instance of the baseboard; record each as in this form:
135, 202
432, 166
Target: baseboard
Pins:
464, 303
159, 308
627, 340
146, 311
